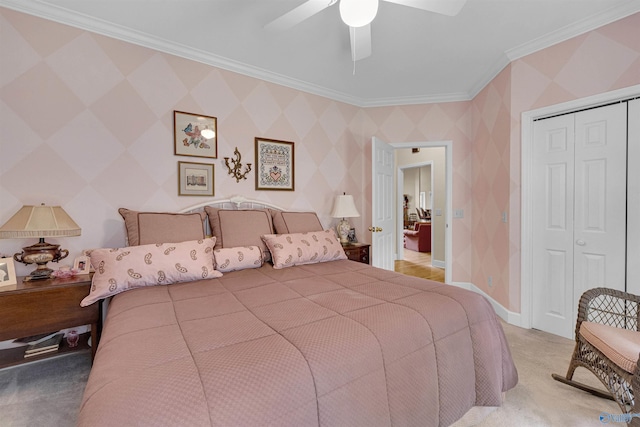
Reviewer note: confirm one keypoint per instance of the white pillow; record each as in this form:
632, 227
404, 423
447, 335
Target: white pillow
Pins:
118, 270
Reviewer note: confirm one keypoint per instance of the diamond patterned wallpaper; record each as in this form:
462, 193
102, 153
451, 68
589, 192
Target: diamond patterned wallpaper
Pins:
86, 123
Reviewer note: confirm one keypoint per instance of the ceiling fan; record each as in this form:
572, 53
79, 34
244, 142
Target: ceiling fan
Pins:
358, 14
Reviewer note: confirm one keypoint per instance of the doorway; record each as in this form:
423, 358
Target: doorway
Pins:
415, 183
442, 218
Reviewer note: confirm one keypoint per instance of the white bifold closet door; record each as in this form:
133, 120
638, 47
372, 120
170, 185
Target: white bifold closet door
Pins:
579, 205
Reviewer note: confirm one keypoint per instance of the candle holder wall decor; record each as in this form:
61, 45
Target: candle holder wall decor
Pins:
236, 170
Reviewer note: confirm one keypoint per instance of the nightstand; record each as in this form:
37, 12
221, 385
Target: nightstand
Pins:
357, 252
41, 306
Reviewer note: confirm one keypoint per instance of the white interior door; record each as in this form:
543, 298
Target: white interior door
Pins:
633, 199
579, 199
600, 199
552, 237
383, 205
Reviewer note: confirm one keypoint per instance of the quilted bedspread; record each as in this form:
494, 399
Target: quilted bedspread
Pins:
332, 344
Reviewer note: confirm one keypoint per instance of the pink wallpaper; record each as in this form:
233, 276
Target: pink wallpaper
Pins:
86, 123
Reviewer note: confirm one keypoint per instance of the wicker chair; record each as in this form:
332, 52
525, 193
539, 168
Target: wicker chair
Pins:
619, 311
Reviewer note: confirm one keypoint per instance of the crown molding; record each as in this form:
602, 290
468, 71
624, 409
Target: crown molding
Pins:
577, 28
88, 23
92, 24
415, 100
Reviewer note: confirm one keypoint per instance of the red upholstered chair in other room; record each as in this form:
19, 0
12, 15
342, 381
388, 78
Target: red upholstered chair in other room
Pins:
418, 239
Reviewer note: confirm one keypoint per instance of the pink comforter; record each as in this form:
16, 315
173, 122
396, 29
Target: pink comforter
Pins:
332, 344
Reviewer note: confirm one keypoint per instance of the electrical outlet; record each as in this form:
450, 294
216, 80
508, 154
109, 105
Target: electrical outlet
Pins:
490, 281
458, 213
504, 217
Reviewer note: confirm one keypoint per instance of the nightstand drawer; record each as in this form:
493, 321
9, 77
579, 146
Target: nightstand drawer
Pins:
45, 310
357, 252
42, 306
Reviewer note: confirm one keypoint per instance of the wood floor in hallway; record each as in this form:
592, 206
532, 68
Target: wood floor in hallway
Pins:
418, 264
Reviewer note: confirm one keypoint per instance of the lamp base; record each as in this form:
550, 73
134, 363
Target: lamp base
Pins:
41, 273
343, 229
41, 253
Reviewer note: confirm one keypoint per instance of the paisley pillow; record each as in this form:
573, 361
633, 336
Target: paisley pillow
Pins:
238, 258
118, 270
304, 248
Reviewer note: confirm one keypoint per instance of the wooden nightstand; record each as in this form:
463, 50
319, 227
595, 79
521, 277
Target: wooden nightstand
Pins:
41, 306
357, 252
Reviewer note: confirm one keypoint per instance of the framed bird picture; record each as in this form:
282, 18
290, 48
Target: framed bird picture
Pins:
195, 135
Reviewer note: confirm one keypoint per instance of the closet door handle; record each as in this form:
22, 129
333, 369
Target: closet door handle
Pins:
581, 242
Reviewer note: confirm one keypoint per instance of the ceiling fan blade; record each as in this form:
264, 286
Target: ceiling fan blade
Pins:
297, 15
360, 42
445, 7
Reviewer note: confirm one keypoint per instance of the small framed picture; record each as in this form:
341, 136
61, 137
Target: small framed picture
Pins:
351, 236
7, 272
274, 165
82, 265
195, 135
195, 179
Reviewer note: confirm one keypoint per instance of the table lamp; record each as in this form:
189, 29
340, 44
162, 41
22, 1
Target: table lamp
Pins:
40, 221
344, 207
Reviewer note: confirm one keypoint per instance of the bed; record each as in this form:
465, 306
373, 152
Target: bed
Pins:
283, 331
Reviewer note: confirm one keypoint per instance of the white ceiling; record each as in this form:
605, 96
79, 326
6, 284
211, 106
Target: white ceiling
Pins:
418, 56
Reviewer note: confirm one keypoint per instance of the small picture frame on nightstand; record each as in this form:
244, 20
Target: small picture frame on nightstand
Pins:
82, 264
351, 236
7, 273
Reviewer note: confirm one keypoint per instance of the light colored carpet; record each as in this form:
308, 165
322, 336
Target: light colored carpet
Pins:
539, 400
48, 393
45, 393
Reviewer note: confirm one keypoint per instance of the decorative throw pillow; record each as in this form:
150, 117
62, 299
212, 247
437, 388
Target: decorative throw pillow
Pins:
238, 258
304, 248
295, 222
144, 228
118, 270
233, 228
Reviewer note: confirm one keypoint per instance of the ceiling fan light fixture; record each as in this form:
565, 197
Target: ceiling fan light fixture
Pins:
358, 13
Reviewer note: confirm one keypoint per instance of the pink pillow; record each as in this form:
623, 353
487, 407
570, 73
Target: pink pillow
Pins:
295, 222
238, 258
304, 248
144, 228
235, 228
118, 270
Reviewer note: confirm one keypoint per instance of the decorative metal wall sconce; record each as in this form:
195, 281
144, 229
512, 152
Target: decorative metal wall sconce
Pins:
235, 171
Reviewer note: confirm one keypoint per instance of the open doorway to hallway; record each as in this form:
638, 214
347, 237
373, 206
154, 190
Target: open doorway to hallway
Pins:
421, 176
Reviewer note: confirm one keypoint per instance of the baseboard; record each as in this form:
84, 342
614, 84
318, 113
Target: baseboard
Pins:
437, 263
508, 316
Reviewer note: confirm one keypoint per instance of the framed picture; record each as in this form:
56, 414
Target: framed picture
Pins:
195, 135
351, 236
7, 272
274, 165
82, 265
195, 179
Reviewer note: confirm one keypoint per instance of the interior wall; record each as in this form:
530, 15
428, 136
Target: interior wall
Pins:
416, 180
410, 185
87, 123
425, 186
